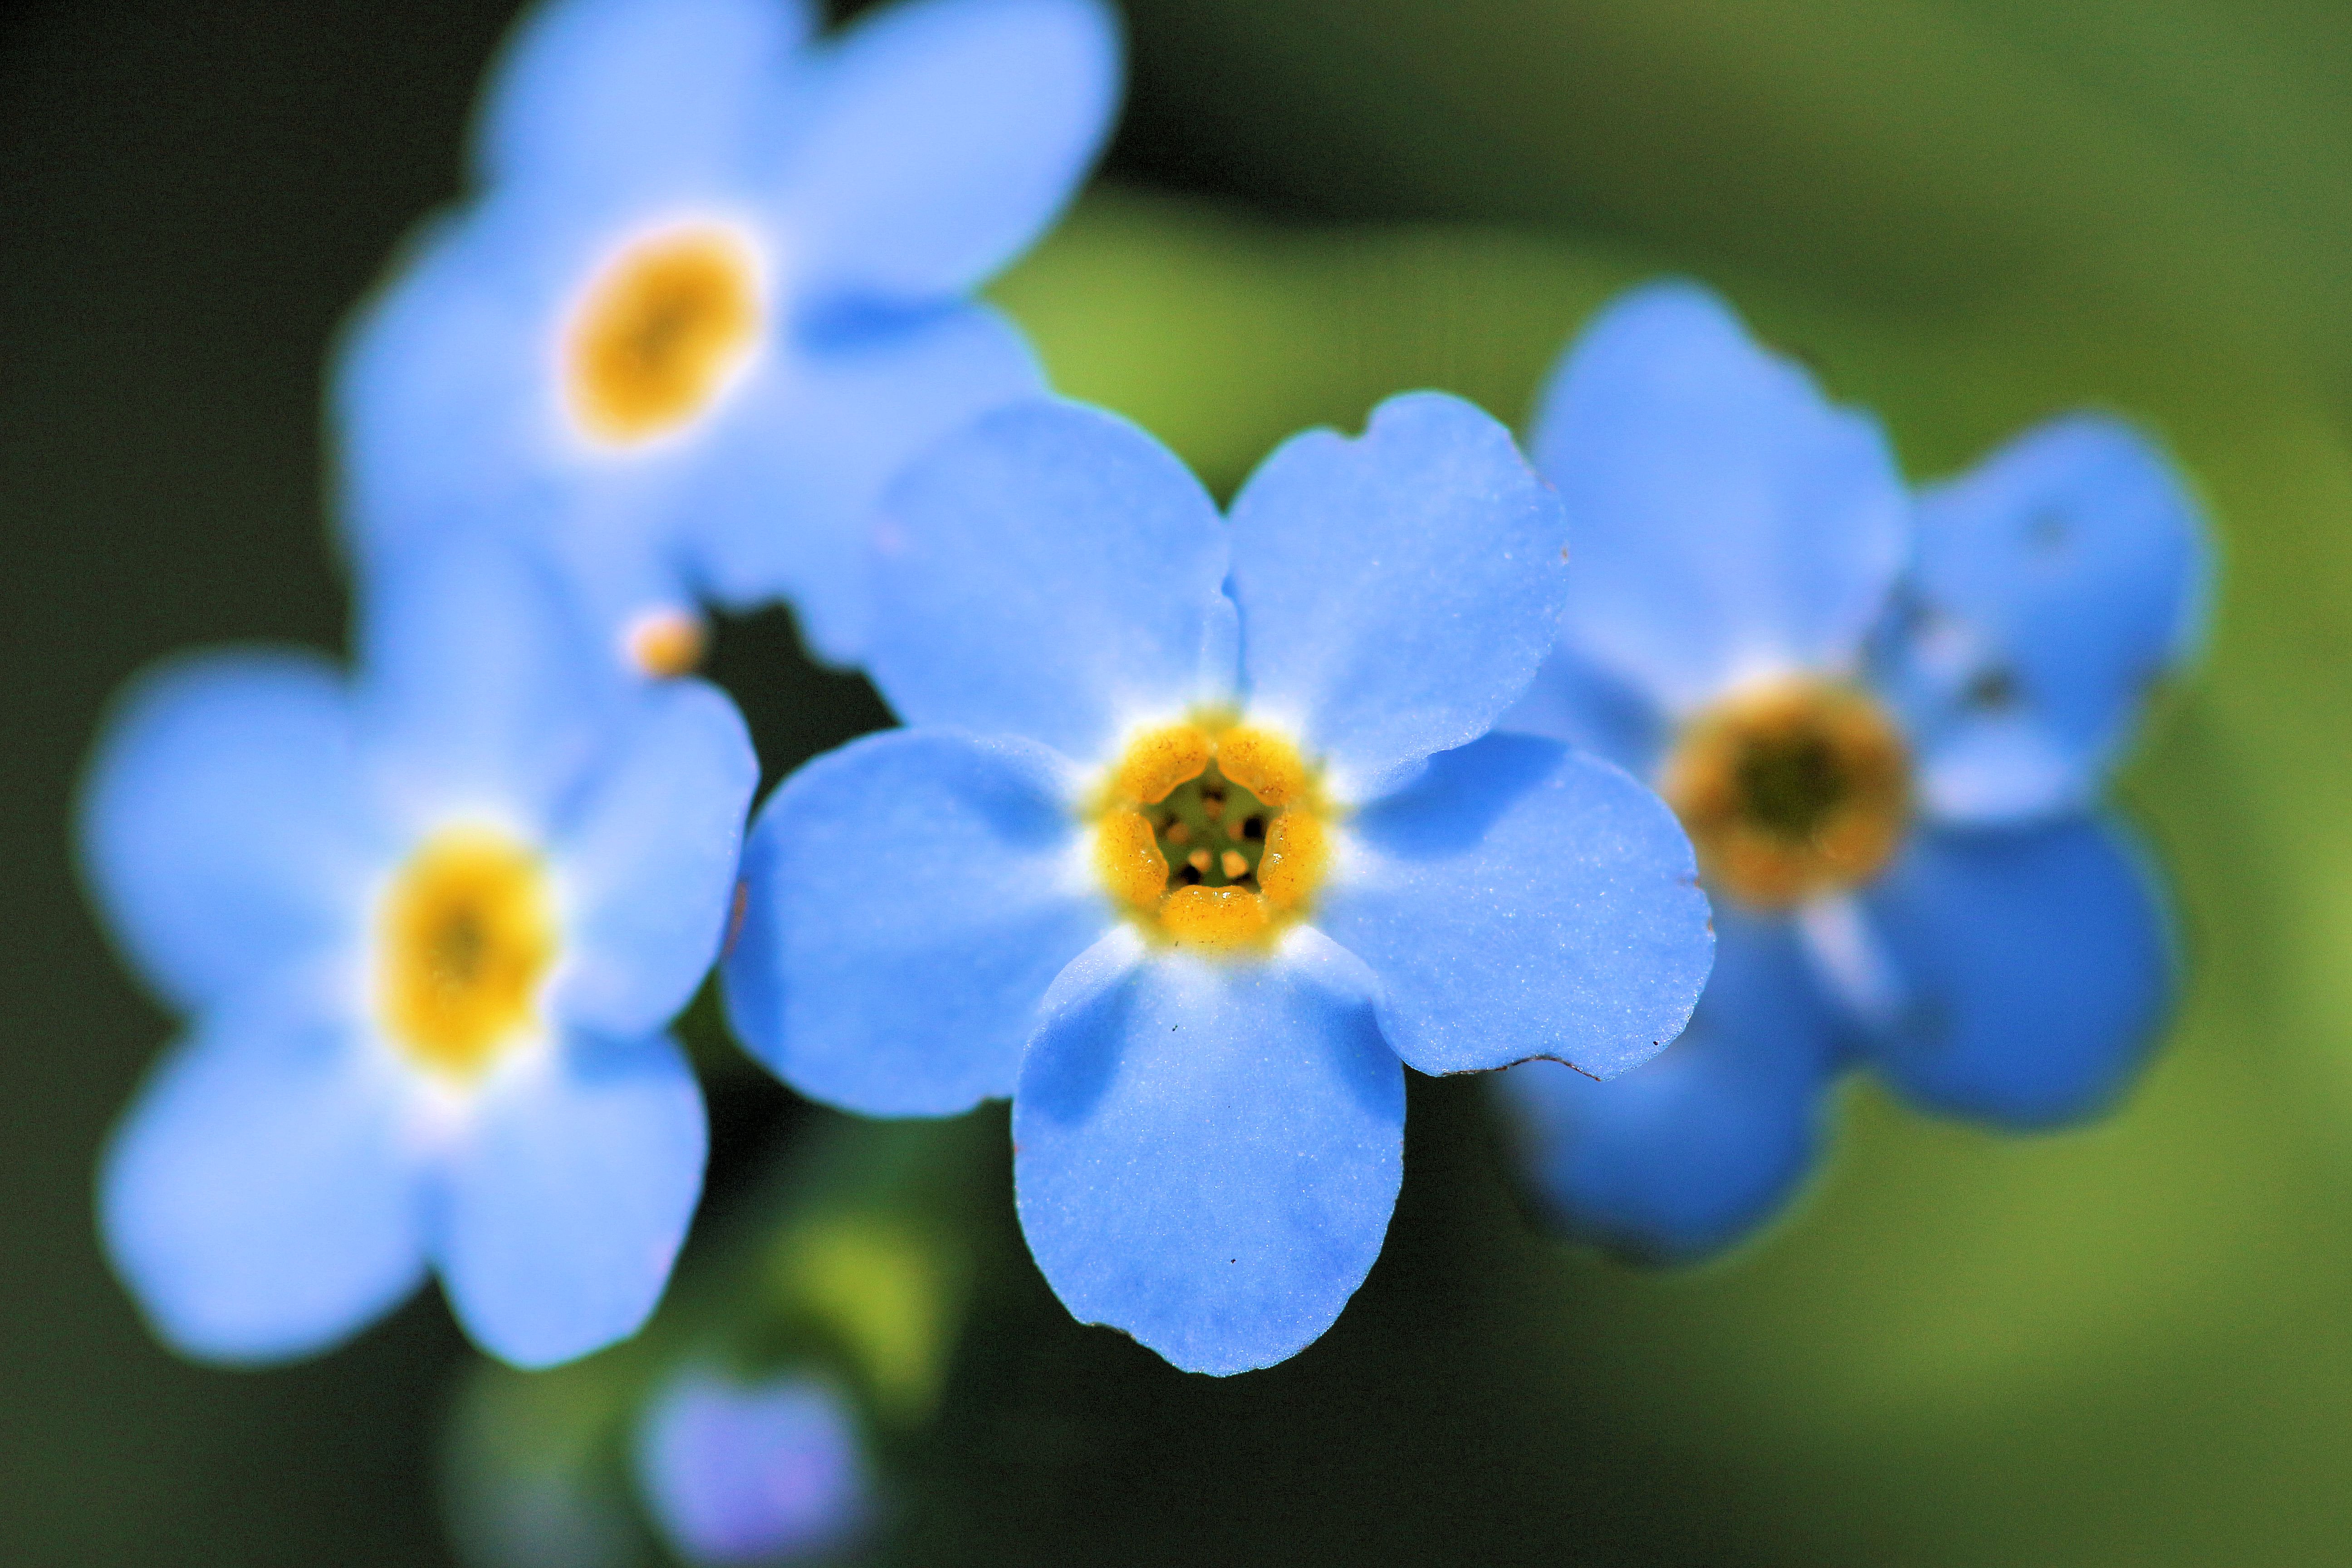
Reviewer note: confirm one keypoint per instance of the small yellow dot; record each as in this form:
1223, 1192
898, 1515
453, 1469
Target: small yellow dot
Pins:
666, 642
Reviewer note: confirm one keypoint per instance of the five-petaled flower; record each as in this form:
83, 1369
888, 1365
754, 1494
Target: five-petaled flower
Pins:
714, 294
1885, 723
430, 924
1198, 829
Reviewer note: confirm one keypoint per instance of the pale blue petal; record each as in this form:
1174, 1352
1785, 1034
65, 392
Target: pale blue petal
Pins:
449, 426
1725, 519
788, 513
762, 1472
1205, 1156
637, 93
1398, 591
647, 869
2037, 969
1049, 571
1574, 700
946, 137
223, 828
1688, 1153
1522, 899
907, 900
483, 690
440, 404
568, 1196
2055, 582
258, 1199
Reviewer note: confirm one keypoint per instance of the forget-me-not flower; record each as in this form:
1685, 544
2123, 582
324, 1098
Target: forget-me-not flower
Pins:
715, 290
734, 1470
1886, 723
428, 925
1197, 832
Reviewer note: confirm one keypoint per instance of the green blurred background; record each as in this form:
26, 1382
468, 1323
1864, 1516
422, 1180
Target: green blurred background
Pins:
2127, 1345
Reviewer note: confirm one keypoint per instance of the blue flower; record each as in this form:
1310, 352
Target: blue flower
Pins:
764, 1471
428, 925
1886, 723
714, 294
1198, 829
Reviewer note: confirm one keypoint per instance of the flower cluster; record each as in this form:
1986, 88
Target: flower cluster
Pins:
1884, 721
714, 291
430, 921
1203, 826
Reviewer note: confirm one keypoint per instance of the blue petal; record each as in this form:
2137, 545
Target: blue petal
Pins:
2055, 582
221, 825
756, 1473
637, 92
440, 398
946, 137
1523, 900
448, 426
1050, 571
1574, 700
258, 1198
790, 508
2037, 966
1397, 592
907, 900
569, 1196
483, 690
648, 867
1206, 1155
1687, 1155
1727, 520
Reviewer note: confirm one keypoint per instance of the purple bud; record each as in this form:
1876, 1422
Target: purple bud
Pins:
761, 1472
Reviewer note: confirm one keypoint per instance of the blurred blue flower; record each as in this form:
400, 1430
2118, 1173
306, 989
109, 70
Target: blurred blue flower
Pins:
1886, 723
429, 925
1197, 831
715, 291
751, 1472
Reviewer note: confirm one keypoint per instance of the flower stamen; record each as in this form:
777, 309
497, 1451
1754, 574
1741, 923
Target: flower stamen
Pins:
464, 939
1790, 790
1220, 808
660, 333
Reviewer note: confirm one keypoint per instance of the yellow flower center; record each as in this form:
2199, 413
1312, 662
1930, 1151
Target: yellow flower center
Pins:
1211, 836
665, 642
1790, 790
660, 333
465, 939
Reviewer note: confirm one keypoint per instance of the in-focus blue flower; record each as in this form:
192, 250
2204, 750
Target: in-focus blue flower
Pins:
1886, 723
768, 1471
428, 925
1197, 831
715, 291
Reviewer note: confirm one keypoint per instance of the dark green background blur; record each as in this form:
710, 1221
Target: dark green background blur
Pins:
2127, 1345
